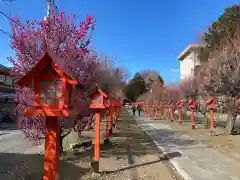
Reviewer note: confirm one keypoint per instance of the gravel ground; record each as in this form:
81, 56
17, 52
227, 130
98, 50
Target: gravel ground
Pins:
131, 156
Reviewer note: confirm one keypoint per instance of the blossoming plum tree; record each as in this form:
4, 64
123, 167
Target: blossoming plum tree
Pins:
63, 37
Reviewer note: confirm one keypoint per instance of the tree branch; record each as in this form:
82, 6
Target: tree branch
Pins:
8, 1
67, 133
4, 32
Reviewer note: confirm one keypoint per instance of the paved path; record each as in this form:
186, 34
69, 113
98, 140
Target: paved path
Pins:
15, 152
13, 141
197, 161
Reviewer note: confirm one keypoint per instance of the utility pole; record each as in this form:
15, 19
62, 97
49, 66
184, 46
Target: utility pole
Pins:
49, 8
51, 5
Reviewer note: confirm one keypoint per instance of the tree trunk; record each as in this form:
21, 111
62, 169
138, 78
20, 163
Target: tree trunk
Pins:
61, 141
229, 127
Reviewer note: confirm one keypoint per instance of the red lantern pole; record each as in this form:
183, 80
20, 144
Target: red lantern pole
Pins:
180, 104
111, 122
157, 110
51, 148
145, 108
171, 112
160, 106
193, 119
149, 109
211, 102
165, 110
95, 162
153, 110
100, 103
192, 104
106, 140
114, 116
211, 121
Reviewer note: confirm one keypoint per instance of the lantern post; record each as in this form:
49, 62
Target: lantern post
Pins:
114, 114
53, 96
165, 109
192, 105
180, 105
114, 109
109, 120
171, 111
148, 109
100, 103
211, 104
159, 109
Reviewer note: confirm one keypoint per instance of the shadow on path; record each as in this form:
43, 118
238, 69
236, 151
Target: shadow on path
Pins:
128, 141
164, 158
30, 167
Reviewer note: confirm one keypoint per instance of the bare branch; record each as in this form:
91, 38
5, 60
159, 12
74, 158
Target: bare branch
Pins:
8, 1
4, 32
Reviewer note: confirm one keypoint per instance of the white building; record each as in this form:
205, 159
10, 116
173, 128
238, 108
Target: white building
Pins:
189, 60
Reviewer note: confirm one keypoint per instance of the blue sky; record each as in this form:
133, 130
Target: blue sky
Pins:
137, 34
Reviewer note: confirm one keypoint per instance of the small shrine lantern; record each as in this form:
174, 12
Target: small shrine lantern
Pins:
54, 90
192, 104
180, 103
100, 99
211, 103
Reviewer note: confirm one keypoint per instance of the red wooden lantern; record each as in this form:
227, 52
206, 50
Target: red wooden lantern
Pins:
54, 90
211, 103
100, 102
100, 99
179, 103
54, 93
192, 103
180, 106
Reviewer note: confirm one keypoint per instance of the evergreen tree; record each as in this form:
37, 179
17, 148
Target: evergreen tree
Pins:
221, 30
135, 87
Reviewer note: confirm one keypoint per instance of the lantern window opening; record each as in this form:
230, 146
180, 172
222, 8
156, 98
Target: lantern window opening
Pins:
2, 78
97, 99
50, 92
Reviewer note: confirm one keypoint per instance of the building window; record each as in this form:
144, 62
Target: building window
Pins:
8, 81
2, 78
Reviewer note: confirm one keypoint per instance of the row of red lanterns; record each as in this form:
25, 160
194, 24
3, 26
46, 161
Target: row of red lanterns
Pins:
168, 105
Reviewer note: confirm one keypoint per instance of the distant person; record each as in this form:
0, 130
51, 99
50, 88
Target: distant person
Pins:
133, 110
139, 109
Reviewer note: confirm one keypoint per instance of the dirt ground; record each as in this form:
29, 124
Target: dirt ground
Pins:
131, 156
228, 145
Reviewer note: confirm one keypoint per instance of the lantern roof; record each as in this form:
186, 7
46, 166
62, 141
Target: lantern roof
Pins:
47, 59
191, 101
211, 100
98, 90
